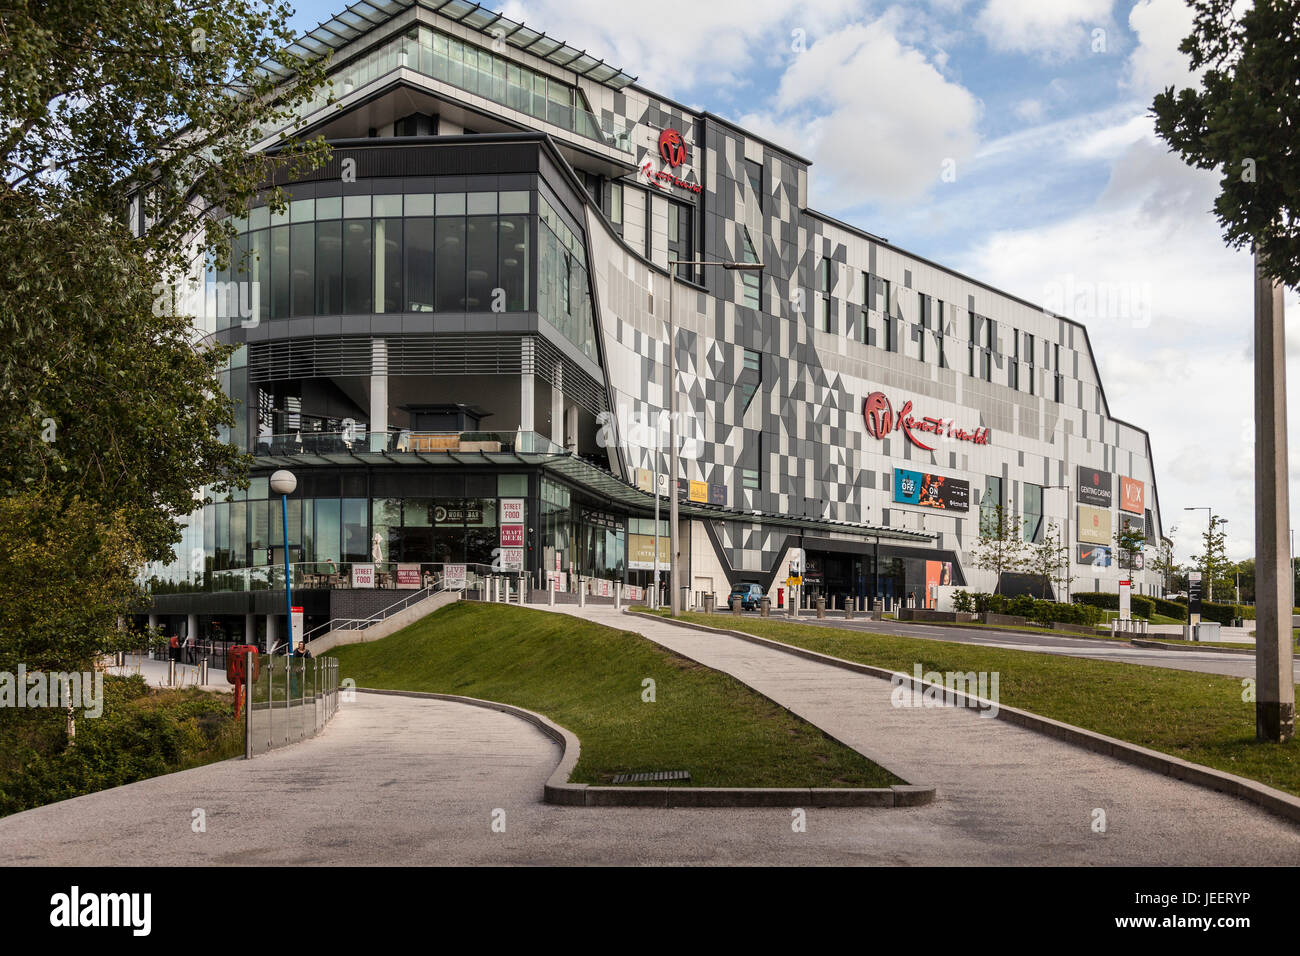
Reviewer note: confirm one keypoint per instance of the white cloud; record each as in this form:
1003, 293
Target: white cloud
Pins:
1155, 62
1030, 110
672, 50
877, 117
1187, 375
1050, 29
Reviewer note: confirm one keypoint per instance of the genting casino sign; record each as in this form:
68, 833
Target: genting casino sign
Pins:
672, 150
878, 415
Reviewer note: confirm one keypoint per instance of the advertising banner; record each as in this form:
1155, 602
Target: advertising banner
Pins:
1132, 495
512, 536
363, 575
641, 552
924, 490
1094, 525
1194, 595
453, 576
458, 513
1133, 522
512, 510
1125, 600
408, 575
645, 479
511, 559
1096, 555
296, 628
1093, 487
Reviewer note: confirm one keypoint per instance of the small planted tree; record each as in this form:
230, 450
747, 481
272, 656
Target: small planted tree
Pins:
1049, 562
1000, 547
1129, 544
1213, 559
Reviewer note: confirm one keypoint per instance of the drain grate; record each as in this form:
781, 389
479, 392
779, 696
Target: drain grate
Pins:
652, 777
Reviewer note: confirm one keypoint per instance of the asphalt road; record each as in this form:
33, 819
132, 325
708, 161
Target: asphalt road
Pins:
1207, 662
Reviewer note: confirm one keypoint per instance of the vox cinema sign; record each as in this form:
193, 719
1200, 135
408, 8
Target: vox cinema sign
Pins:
878, 415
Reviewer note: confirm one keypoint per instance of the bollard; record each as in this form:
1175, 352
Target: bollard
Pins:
618, 595
848, 609
551, 595
203, 670
735, 604
764, 606
582, 593
821, 608
171, 673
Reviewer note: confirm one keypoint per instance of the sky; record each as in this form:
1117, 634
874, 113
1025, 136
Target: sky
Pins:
1010, 140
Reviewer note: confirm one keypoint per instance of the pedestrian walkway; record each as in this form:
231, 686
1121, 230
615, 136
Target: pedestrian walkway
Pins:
1001, 780
155, 673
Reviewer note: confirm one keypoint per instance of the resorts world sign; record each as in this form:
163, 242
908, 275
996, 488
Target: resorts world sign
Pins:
878, 414
672, 150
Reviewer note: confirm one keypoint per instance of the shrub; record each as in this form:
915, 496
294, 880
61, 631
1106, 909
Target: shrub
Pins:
1140, 605
963, 602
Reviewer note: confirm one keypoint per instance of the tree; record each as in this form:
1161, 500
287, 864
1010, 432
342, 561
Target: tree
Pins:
1213, 559
112, 416
1049, 562
1000, 547
1130, 543
1165, 565
1243, 120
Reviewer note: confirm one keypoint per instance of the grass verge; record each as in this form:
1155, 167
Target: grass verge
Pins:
1198, 717
590, 679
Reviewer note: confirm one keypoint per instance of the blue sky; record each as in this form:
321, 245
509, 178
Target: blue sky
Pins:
1008, 139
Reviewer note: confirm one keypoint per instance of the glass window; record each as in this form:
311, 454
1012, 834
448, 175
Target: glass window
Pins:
990, 502
513, 261
329, 267
449, 260
477, 204
512, 486
356, 537
331, 207
388, 264
356, 207
754, 173
356, 267
302, 210
751, 282
259, 218
1033, 512
419, 265
387, 205
419, 204
616, 202
451, 204
481, 261
513, 203
260, 269
302, 245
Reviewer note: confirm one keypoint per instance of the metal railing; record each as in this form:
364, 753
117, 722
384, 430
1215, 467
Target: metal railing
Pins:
289, 700
475, 574
310, 575
402, 441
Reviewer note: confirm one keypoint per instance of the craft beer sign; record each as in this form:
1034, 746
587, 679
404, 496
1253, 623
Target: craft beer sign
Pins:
878, 415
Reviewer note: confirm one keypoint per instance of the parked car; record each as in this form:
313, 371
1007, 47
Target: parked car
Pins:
749, 594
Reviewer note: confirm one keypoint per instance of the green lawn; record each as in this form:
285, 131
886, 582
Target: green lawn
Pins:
1198, 717
588, 678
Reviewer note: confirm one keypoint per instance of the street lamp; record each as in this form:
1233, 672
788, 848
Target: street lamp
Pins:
1209, 583
675, 600
283, 483
1068, 557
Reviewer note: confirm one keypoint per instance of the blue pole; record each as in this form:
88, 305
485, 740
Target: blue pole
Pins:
288, 574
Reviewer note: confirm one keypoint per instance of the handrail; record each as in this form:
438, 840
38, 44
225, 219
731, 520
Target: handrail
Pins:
361, 623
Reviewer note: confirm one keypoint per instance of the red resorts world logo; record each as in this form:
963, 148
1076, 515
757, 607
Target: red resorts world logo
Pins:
878, 416
672, 147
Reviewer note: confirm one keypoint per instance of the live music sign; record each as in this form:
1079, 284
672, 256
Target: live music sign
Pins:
878, 415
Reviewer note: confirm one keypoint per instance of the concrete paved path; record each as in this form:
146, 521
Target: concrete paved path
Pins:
398, 780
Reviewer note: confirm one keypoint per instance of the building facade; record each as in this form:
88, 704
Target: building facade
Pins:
456, 337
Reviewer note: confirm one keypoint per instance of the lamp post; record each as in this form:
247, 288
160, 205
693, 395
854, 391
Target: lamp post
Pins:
1068, 504
283, 483
674, 598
